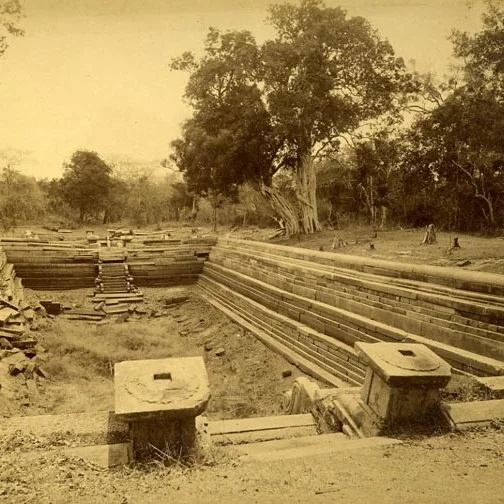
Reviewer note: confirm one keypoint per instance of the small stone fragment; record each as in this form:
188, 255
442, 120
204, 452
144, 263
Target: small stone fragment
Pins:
286, 373
30, 369
461, 264
16, 368
122, 318
220, 352
41, 372
5, 343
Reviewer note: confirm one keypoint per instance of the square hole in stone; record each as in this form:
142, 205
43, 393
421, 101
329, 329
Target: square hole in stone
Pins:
162, 376
407, 353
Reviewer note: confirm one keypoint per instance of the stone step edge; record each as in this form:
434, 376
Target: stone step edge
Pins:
420, 290
437, 274
438, 304
357, 274
380, 316
379, 327
293, 334
458, 358
304, 364
430, 315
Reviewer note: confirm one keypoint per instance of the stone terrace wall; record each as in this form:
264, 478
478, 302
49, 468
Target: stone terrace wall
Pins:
52, 266
176, 262
319, 304
11, 287
59, 266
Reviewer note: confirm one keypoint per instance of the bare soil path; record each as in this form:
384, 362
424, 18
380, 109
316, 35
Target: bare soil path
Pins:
454, 468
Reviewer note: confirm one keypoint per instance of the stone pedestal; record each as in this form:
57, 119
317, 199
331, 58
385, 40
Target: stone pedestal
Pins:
403, 381
160, 400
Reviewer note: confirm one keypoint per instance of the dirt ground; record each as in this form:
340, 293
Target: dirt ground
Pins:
247, 380
483, 253
454, 468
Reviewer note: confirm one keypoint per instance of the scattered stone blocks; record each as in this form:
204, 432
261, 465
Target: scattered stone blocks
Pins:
160, 400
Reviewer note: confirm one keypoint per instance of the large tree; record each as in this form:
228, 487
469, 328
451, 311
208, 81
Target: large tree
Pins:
281, 104
86, 183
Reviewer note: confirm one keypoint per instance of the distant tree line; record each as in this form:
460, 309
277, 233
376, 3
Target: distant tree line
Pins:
92, 191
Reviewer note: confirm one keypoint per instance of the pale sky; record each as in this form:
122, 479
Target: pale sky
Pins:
93, 74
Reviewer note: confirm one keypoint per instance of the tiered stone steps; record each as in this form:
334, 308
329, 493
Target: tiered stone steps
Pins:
175, 262
114, 278
57, 266
328, 354
257, 429
51, 266
346, 306
113, 273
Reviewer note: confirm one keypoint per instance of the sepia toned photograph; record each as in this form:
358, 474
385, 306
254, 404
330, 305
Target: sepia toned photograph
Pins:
251, 251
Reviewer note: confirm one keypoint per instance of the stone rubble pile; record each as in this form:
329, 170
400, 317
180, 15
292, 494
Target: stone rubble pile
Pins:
21, 356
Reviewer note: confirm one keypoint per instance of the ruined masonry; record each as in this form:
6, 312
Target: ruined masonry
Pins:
384, 336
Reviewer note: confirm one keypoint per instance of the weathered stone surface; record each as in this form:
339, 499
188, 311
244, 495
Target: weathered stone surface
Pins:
99, 427
494, 385
307, 446
476, 412
402, 381
105, 456
405, 364
302, 396
160, 437
161, 388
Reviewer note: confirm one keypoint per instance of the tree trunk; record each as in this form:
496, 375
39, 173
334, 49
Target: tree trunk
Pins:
214, 219
306, 193
282, 208
430, 235
369, 199
384, 213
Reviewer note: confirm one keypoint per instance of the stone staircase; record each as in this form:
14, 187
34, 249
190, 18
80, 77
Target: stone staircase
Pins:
308, 303
113, 273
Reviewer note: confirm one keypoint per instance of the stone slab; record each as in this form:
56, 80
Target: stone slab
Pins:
260, 423
494, 384
239, 438
476, 412
98, 427
307, 446
303, 363
161, 388
405, 364
105, 456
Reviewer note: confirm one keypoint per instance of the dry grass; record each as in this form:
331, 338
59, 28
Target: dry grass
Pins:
245, 381
79, 350
82, 357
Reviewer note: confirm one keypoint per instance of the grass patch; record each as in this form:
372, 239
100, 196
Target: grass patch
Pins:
81, 359
80, 351
465, 389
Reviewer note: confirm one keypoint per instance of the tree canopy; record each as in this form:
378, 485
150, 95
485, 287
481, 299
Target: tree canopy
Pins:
86, 183
259, 109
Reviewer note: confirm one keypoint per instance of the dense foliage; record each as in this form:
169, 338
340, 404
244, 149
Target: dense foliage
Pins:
260, 109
